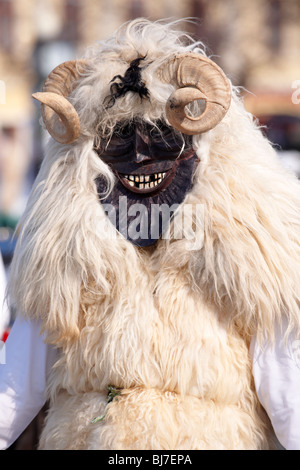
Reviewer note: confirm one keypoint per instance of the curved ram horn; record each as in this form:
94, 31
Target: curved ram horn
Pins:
196, 78
60, 117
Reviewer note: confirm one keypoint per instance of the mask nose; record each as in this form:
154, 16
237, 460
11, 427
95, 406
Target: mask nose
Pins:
142, 150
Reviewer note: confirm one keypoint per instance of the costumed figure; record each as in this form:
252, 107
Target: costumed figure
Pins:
161, 236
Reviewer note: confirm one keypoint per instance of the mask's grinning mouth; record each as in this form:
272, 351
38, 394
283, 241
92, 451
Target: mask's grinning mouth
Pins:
144, 181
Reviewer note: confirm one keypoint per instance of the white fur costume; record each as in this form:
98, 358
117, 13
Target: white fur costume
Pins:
169, 326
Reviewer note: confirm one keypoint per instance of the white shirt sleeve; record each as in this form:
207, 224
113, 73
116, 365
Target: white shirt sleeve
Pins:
24, 367
276, 372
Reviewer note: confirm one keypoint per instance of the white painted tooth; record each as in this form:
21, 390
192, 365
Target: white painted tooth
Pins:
131, 177
146, 185
147, 178
137, 179
151, 184
160, 175
164, 174
160, 180
131, 183
141, 186
126, 176
142, 178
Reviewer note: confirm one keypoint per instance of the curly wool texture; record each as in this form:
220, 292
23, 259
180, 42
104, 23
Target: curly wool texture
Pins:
168, 325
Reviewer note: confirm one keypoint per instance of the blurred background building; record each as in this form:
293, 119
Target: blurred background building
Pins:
256, 43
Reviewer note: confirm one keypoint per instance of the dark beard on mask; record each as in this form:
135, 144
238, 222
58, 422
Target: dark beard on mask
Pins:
142, 220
